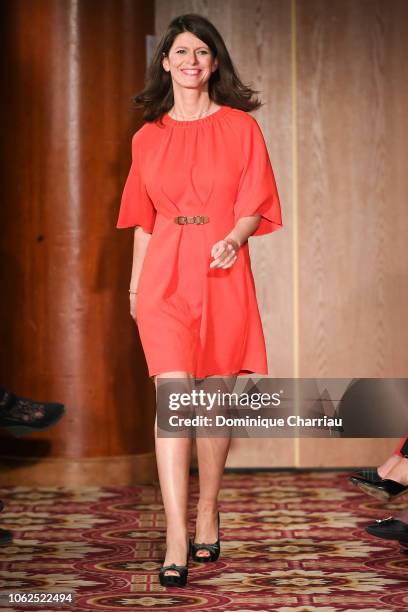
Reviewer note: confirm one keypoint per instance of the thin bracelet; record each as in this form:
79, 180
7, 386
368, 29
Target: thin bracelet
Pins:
130, 291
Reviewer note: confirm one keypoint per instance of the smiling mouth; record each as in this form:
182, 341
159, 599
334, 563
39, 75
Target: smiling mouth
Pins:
191, 72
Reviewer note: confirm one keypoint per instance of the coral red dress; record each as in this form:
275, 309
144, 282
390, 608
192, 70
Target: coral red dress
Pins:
192, 318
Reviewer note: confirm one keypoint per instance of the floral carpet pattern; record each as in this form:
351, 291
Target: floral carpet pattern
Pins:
290, 541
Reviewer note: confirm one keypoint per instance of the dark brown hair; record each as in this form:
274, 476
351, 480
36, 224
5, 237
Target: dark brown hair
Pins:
224, 85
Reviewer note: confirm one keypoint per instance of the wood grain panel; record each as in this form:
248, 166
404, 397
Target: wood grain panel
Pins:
126, 470
352, 97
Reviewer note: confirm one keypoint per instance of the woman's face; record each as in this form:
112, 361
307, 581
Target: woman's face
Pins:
190, 61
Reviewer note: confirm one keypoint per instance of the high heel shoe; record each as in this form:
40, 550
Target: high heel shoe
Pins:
213, 549
389, 529
381, 488
171, 579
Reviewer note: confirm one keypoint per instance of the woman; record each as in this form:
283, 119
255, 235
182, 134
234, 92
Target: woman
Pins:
200, 184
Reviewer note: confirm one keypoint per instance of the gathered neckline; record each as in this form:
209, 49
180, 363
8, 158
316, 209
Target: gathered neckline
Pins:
176, 123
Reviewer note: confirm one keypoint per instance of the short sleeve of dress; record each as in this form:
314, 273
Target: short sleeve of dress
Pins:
136, 207
257, 191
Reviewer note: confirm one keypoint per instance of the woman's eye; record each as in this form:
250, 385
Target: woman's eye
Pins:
203, 51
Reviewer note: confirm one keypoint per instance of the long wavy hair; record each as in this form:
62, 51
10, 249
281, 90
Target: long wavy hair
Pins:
224, 86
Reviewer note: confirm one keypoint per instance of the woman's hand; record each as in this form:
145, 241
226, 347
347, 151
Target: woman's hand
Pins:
132, 300
225, 253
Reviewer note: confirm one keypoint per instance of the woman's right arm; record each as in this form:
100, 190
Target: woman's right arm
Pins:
140, 243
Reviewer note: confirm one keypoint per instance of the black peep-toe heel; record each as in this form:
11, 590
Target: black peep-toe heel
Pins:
171, 579
213, 549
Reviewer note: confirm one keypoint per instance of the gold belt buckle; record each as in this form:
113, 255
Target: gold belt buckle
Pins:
197, 219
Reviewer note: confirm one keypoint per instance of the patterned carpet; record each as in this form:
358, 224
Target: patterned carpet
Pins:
290, 541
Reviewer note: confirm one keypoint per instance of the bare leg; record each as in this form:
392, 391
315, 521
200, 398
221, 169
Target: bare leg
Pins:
386, 467
399, 472
173, 457
211, 454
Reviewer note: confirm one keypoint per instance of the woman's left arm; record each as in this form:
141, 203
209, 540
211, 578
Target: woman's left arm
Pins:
244, 228
225, 251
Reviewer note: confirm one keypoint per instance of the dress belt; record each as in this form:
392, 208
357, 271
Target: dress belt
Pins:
198, 219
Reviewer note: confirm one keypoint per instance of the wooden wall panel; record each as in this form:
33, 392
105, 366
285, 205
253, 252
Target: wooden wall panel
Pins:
353, 221
352, 92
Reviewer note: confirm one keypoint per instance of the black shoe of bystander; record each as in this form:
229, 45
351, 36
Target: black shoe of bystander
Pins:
21, 415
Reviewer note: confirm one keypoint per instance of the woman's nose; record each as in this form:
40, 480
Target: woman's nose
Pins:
193, 58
